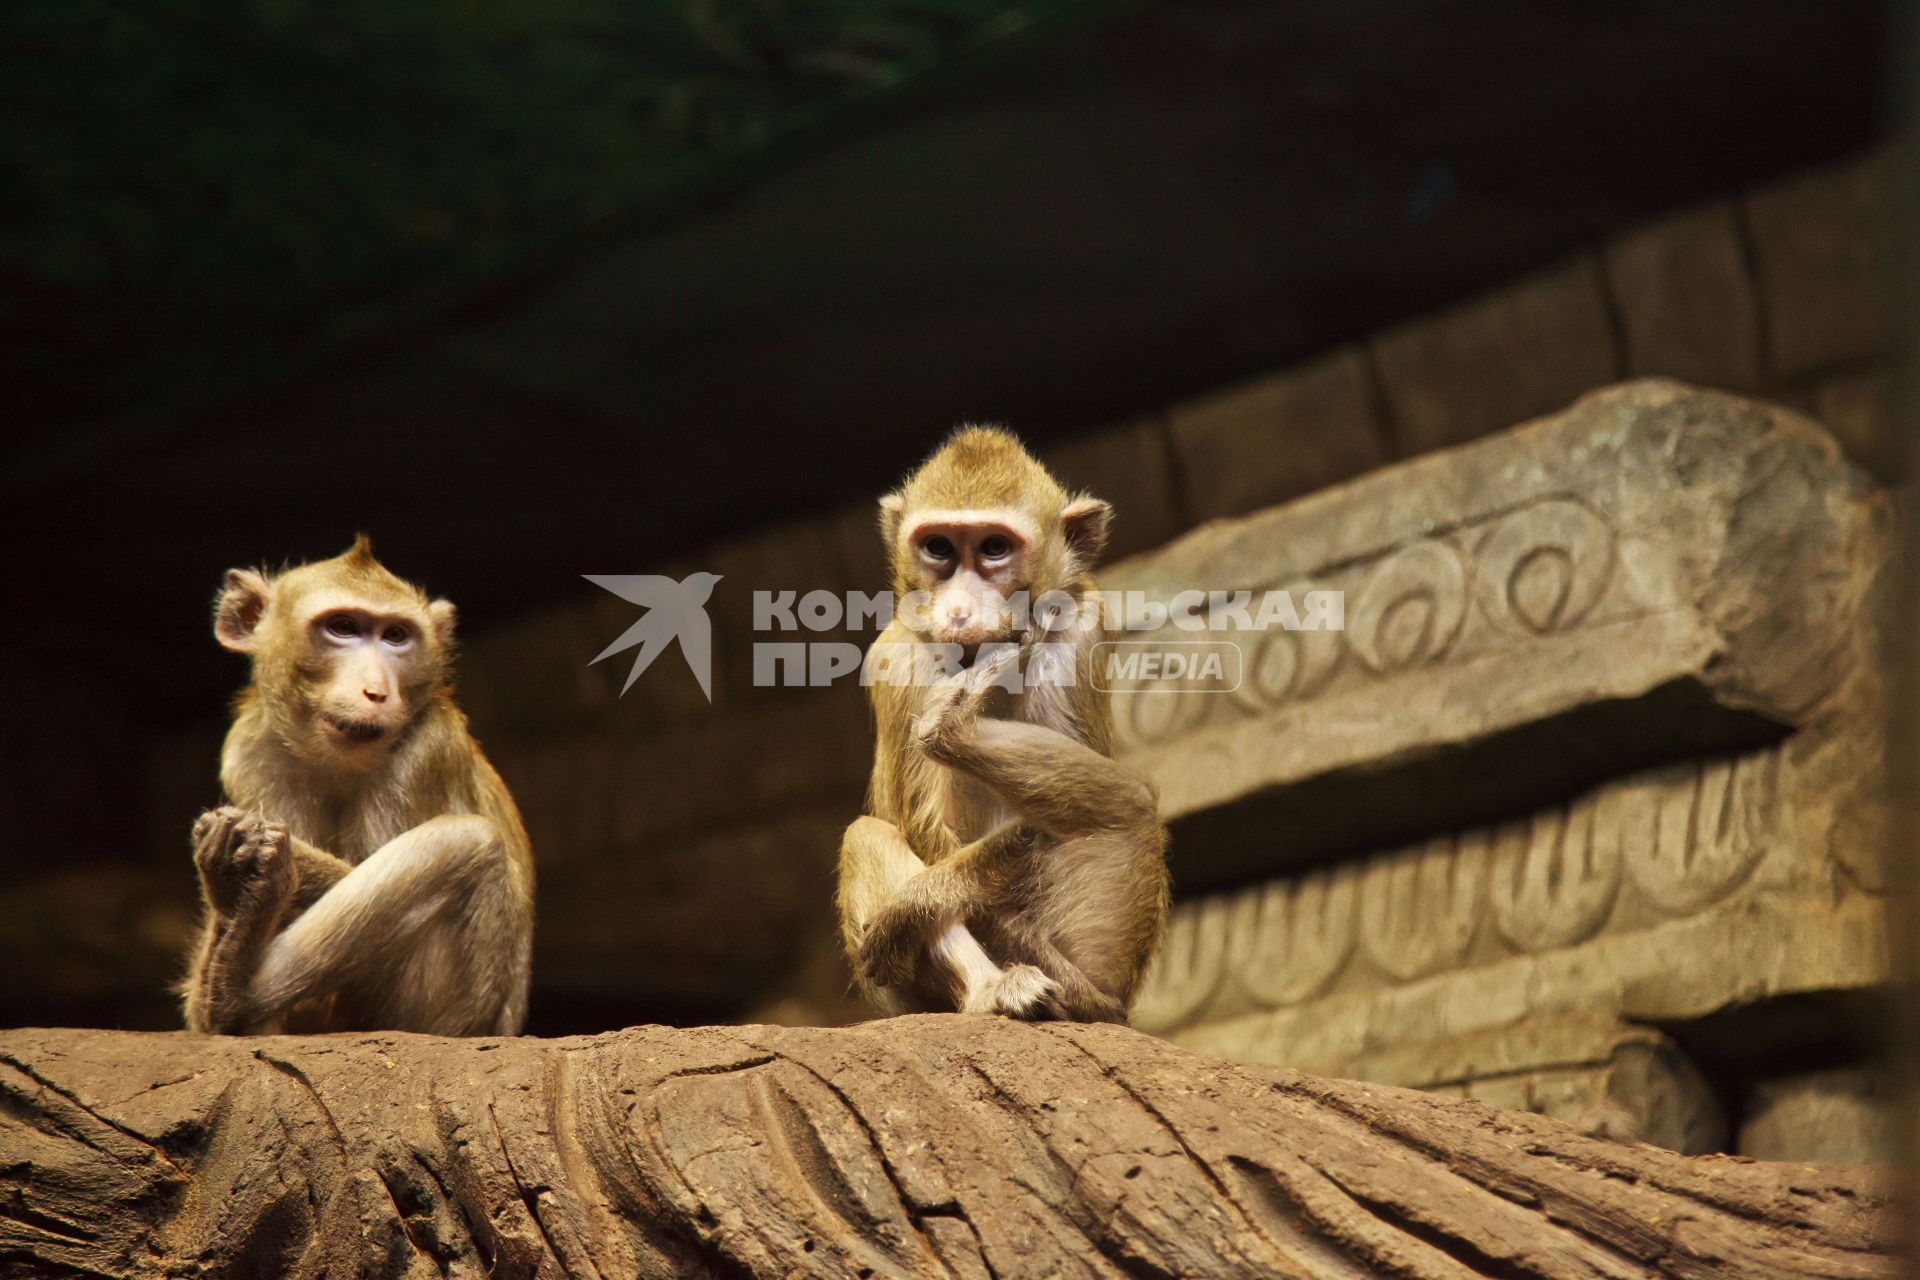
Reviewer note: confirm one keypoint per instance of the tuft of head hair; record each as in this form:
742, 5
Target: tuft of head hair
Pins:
357, 569
979, 466
982, 465
248, 594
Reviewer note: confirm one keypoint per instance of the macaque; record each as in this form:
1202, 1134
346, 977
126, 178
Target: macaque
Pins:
1007, 864
370, 871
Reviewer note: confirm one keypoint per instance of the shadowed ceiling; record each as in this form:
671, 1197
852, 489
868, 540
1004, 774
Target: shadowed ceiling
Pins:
538, 290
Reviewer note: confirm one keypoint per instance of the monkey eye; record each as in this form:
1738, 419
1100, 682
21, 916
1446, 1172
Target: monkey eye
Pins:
996, 547
938, 547
397, 635
343, 625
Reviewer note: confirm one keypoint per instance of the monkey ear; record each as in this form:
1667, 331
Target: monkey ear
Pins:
892, 508
236, 613
1084, 520
441, 614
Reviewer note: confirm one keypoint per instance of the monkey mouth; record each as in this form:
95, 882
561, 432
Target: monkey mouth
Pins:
972, 643
355, 730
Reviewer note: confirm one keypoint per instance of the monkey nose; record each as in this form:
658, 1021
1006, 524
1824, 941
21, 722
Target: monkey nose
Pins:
375, 695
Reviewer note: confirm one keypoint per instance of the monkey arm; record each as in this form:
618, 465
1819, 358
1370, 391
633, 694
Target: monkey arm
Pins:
246, 877
1096, 875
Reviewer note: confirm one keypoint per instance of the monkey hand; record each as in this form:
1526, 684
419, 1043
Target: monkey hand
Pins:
240, 855
995, 670
954, 702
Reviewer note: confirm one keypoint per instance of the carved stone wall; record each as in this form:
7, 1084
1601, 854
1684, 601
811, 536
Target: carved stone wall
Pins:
1615, 667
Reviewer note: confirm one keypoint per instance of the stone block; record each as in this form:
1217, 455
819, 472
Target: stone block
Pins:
535, 673
1686, 300
1655, 572
1675, 972
700, 924
1497, 360
564, 786
804, 748
1592, 905
1627, 1083
1131, 467
799, 556
1716, 873
1839, 1116
1855, 407
1822, 264
1276, 438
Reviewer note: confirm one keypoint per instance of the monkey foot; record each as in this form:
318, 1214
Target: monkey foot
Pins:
1021, 991
241, 855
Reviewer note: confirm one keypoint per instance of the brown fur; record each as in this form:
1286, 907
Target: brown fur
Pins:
1001, 812
356, 885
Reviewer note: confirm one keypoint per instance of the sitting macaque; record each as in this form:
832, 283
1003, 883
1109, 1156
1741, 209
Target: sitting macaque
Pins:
370, 871
1008, 864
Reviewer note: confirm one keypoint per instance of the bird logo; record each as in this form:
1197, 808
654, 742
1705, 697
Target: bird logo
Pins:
675, 610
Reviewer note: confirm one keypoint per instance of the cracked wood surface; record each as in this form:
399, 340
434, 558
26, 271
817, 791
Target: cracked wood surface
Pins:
941, 1146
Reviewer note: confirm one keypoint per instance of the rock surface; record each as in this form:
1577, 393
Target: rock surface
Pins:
929, 1146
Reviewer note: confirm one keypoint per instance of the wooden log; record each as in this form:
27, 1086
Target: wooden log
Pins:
925, 1146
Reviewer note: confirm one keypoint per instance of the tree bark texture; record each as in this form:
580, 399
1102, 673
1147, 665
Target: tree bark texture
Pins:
945, 1146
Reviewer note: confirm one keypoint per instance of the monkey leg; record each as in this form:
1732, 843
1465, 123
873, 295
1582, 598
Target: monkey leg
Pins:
894, 963
315, 872
1078, 998
903, 926
1061, 786
1100, 894
875, 861
415, 932
246, 877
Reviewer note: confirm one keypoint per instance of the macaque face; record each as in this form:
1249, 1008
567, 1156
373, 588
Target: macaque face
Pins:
969, 567
367, 664
344, 653
975, 530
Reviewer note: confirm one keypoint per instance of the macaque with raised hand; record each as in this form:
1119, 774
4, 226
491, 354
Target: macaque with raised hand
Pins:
1007, 864
370, 871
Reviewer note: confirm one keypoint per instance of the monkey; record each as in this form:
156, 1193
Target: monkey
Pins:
1005, 863
369, 870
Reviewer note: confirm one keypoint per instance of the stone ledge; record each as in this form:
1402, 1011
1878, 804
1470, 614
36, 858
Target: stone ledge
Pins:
1657, 572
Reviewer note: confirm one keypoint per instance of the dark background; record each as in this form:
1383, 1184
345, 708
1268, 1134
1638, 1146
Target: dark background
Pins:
528, 291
